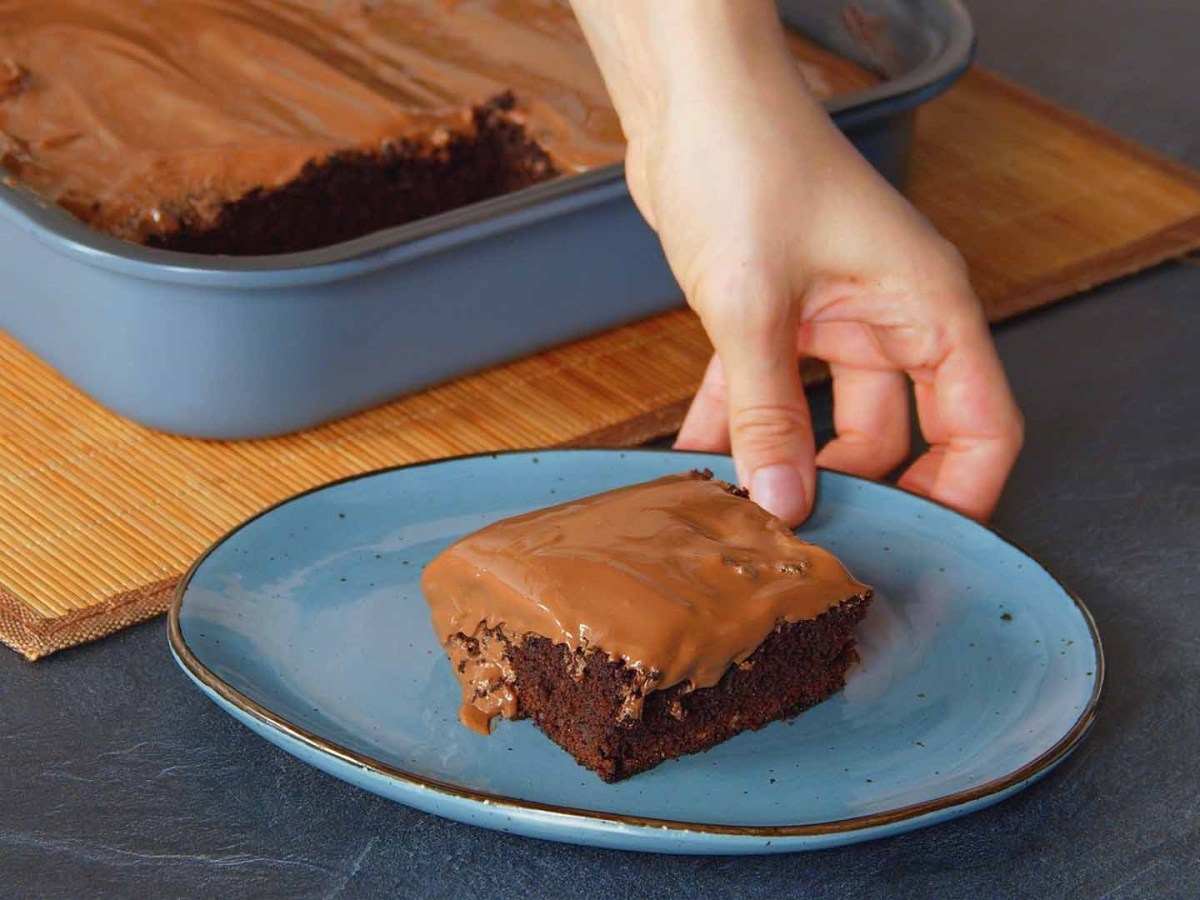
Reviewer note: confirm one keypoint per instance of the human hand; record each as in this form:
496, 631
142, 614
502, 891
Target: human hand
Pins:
789, 245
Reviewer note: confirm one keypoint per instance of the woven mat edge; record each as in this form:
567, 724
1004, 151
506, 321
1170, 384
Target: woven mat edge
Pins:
35, 636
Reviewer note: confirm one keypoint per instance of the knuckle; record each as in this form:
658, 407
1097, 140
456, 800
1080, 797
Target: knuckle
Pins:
767, 426
893, 449
764, 317
943, 280
1009, 437
879, 453
952, 257
948, 257
739, 303
934, 343
1016, 431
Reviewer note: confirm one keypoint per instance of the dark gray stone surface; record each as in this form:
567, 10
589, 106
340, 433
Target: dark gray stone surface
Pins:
117, 778
1131, 64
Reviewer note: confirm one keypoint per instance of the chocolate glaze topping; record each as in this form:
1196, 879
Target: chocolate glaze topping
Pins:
134, 114
142, 107
680, 578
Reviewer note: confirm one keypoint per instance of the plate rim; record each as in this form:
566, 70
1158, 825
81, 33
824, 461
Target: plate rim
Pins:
996, 787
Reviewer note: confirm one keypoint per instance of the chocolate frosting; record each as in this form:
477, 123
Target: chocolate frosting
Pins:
130, 113
144, 108
680, 578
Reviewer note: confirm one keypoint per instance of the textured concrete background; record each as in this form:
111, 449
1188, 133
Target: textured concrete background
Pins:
117, 778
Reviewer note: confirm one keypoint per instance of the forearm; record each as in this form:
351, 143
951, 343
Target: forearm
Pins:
659, 58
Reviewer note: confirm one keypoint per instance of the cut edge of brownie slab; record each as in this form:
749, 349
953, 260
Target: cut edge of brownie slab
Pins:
610, 715
798, 666
358, 192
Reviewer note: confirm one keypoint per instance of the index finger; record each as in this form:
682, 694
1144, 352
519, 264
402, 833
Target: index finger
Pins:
770, 428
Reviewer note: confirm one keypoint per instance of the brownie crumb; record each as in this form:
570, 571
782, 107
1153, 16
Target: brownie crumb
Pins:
14, 78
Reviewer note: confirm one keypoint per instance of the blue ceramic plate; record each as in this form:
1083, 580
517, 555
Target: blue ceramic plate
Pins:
979, 671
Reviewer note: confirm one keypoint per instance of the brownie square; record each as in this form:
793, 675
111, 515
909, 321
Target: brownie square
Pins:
645, 623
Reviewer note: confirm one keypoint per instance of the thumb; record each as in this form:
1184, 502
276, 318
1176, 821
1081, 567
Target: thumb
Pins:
770, 427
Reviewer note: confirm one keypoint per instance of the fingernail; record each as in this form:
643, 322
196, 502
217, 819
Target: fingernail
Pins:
780, 489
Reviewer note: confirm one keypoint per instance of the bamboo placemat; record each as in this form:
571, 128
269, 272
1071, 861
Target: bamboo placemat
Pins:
99, 517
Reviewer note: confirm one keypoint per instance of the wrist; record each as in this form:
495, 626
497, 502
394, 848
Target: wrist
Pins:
662, 56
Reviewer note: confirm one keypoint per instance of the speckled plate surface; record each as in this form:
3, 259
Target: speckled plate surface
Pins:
979, 671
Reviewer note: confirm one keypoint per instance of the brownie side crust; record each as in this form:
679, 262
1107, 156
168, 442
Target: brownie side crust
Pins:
580, 700
355, 193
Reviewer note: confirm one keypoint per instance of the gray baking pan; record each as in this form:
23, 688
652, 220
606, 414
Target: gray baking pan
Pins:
226, 347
